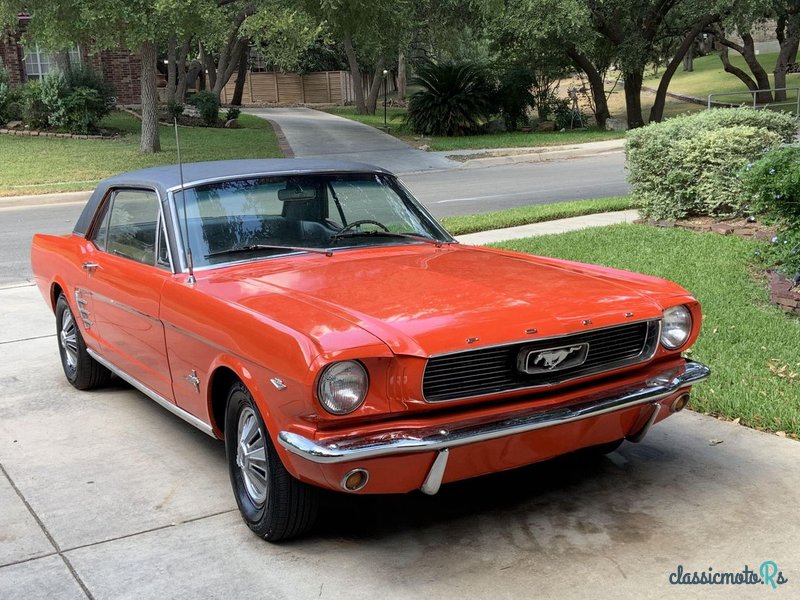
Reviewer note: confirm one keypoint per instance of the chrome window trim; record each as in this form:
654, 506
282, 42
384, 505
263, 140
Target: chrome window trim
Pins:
637, 360
107, 203
198, 182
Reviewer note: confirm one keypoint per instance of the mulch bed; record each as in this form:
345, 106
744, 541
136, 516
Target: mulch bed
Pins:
782, 291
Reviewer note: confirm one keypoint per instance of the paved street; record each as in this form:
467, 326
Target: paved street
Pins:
106, 495
450, 192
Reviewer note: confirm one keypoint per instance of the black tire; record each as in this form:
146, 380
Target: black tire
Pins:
285, 507
81, 370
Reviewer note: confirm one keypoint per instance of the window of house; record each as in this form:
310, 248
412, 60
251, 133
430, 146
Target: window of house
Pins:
38, 63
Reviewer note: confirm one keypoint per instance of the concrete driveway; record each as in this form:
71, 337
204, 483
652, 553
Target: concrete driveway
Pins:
316, 134
106, 495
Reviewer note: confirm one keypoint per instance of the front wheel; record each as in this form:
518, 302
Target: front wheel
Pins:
81, 370
275, 505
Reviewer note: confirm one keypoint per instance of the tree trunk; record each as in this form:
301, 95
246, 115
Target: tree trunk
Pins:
740, 73
355, 73
150, 141
760, 79
688, 60
172, 68
228, 65
241, 77
209, 69
183, 74
789, 37
657, 111
401, 76
375, 88
633, 98
596, 84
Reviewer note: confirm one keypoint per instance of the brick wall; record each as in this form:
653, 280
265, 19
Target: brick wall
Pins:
121, 68
11, 57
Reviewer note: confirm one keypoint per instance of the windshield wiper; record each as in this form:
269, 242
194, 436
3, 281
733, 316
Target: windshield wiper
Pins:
378, 233
257, 247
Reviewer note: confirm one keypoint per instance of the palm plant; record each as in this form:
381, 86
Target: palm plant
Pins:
455, 99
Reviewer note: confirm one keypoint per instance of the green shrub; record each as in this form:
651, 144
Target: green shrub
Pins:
53, 93
174, 110
208, 105
773, 186
76, 101
564, 116
10, 100
688, 165
455, 99
82, 106
34, 111
85, 77
233, 113
514, 95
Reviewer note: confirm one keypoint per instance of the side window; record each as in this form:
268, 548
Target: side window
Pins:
162, 257
132, 225
100, 235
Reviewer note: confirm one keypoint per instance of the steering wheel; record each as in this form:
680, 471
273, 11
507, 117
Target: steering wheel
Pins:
354, 224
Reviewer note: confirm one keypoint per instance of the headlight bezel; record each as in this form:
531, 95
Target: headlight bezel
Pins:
670, 342
323, 397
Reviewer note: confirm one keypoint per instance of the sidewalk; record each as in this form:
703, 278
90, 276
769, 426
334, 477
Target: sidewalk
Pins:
548, 227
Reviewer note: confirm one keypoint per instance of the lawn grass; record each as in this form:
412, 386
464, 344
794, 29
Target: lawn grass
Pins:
742, 333
524, 215
35, 165
515, 139
710, 77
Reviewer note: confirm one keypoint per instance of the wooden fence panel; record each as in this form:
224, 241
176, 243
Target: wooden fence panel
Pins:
324, 87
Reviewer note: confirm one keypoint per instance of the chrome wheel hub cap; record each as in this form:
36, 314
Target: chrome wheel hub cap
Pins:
68, 337
251, 456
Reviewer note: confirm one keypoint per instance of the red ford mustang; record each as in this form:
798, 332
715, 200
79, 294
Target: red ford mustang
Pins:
320, 321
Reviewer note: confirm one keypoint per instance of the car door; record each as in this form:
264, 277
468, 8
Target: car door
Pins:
127, 266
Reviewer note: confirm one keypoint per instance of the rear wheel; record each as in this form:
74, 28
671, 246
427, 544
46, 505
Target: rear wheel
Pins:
81, 370
275, 505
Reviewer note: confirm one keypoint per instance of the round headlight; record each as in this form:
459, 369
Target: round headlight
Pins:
342, 387
676, 328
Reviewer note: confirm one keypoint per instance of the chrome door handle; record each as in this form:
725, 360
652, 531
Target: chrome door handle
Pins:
89, 267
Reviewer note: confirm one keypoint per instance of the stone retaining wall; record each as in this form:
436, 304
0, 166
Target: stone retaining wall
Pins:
53, 134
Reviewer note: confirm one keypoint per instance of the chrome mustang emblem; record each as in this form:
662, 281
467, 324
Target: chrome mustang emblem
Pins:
551, 359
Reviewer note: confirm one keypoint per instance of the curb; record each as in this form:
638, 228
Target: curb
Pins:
493, 236
44, 199
477, 163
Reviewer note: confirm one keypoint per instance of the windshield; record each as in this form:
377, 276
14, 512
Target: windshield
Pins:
267, 216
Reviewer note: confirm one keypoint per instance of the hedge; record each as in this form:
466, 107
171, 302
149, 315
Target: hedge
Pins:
689, 165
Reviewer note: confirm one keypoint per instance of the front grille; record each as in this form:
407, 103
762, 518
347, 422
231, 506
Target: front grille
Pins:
492, 370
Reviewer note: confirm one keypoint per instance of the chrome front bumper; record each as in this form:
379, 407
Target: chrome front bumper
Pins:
405, 440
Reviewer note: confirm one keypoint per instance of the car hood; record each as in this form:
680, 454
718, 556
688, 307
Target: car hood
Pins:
423, 300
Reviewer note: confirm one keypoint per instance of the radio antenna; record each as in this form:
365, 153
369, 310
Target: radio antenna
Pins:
189, 262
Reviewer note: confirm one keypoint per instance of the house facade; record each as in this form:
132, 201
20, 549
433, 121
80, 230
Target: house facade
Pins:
24, 61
